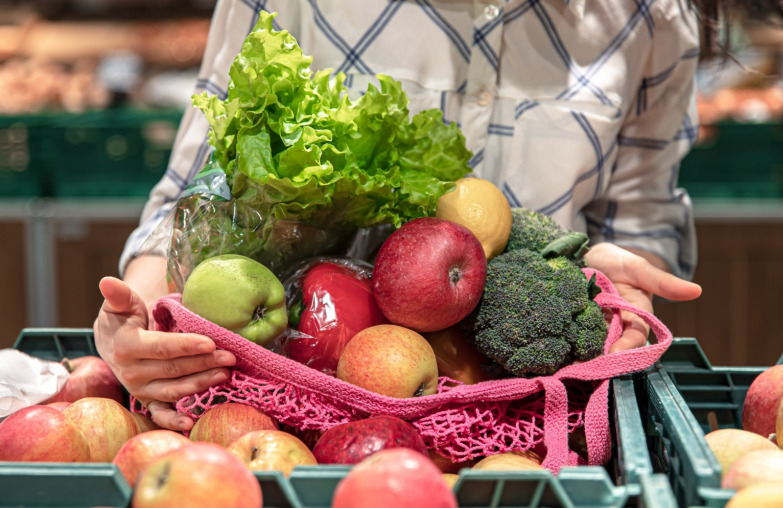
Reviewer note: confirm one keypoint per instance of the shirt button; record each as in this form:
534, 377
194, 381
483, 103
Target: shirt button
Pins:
491, 11
484, 98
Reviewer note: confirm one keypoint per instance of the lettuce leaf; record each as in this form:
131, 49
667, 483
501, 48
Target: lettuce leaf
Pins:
294, 146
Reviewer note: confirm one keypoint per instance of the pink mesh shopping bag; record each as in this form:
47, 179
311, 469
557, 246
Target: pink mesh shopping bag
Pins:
460, 421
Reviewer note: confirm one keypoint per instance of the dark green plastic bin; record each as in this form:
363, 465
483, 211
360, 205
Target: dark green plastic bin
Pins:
107, 153
679, 397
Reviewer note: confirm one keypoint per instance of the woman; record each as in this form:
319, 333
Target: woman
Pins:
579, 109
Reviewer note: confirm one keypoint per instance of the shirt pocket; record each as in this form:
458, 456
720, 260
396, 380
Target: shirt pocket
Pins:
561, 154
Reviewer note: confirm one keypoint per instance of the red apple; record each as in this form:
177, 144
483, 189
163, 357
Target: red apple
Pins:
352, 442
761, 402
728, 445
429, 274
202, 474
757, 466
41, 434
227, 422
142, 449
106, 424
457, 358
272, 450
394, 477
390, 360
89, 376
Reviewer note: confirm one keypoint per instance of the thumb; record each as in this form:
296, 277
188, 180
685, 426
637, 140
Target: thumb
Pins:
119, 298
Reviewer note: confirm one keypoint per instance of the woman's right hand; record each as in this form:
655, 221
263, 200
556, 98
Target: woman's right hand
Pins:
157, 368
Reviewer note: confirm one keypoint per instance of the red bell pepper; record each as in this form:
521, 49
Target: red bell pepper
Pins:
337, 303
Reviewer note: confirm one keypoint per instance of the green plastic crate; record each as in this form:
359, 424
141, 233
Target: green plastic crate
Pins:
741, 160
106, 153
629, 480
681, 398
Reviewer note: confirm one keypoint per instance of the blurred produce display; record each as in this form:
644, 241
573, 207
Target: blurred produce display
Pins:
54, 54
738, 153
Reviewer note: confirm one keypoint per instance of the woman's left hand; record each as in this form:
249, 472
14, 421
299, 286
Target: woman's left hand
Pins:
638, 276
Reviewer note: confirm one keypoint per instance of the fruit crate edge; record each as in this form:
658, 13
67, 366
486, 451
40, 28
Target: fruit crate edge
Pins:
682, 397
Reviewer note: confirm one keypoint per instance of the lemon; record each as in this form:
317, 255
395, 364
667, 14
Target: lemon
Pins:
481, 207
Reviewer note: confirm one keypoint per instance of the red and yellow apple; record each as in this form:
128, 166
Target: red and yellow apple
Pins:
510, 461
42, 434
105, 423
758, 495
225, 423
202, 474
394, 477
728, 445
759, 410
142, 449
757, 466
429, 274
390, 360
89, 376
457, 358
272, 450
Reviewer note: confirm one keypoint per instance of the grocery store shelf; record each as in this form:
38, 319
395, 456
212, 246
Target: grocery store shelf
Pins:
737, 209
43, 220
93, 209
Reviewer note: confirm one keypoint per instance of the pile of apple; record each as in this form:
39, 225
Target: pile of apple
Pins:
214, 466
751, 458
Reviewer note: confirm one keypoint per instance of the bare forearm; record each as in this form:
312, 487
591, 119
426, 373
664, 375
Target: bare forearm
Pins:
146, 275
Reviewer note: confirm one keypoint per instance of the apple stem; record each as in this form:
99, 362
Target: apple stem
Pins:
254, 453
67, 364
419, 391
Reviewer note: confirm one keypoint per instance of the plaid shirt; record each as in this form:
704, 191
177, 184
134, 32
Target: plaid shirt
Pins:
581, 109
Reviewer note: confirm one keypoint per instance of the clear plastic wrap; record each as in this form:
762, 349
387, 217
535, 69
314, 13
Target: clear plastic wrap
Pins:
329, 300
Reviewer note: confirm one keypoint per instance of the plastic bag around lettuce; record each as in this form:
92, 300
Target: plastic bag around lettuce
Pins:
329, 300
207, 222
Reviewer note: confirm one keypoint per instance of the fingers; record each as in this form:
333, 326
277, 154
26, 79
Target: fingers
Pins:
118, 297
635, 333
152, 345
165, 416
172, 390
644, 275
146, 370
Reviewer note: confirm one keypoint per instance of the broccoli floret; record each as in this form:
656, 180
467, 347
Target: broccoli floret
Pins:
532, 230
536, 314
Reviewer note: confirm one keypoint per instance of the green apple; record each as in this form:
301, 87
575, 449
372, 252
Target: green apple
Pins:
239, 294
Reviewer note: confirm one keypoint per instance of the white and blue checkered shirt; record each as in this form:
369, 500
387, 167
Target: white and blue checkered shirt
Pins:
580, 109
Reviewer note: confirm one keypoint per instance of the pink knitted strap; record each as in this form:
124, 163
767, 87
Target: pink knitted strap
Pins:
597, 435
555, 423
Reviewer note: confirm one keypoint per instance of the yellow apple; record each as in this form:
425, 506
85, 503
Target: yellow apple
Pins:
390, 360
510, 461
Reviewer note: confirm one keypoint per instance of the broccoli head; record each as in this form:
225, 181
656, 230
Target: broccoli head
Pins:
532, 230
536, 314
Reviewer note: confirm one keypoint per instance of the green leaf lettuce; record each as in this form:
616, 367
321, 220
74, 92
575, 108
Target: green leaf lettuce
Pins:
295, 147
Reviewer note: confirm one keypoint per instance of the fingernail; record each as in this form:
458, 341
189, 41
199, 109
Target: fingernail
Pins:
225, 358
204, 347
219, 376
